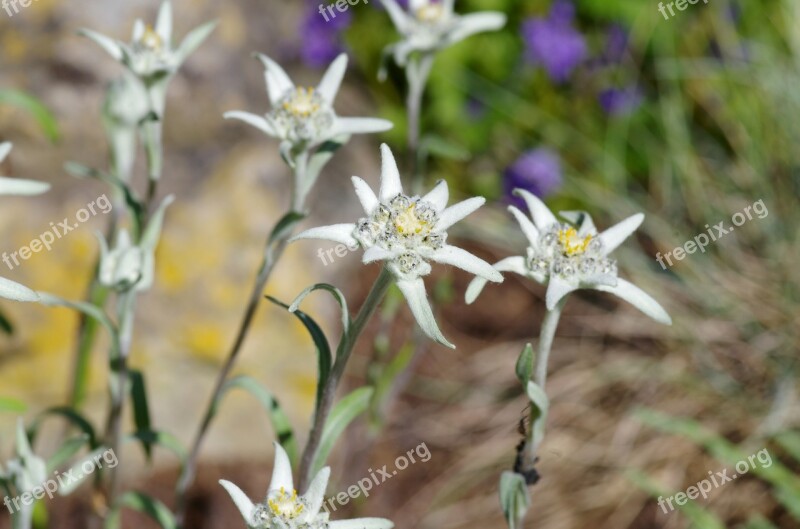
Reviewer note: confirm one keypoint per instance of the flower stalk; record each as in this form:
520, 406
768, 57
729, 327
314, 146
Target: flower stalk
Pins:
343, 353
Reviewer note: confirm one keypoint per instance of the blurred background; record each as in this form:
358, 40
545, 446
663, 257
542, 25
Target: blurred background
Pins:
608, 106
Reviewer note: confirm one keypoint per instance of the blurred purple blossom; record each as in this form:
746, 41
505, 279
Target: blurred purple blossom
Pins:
553, 42
616, 44
322, 40
537, 171
621, 101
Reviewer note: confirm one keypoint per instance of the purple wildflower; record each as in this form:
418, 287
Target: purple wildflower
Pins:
621, 101
322, 41
554, 43
537, 171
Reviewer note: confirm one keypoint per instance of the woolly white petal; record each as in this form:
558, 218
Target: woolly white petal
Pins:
193, 40
376, 253
241, 500
458, 211
111, 46
316, 491
639, 299
417, 298
530, 231
278, 82
282, 472
18, 186
164, 23
329, 85
391, 186
365, 195
582, 220
464, 260
438, 196
398, 15
14, 291
254, 120
352, 126
541, 214
341, 233
514, 264
616, 234
361, 523
471, 24
557, 288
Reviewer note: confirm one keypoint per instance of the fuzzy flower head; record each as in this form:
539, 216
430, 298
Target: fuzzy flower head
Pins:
431, 25
303, 117
407, 233
554, 43
284, 508
567, 256
150, 54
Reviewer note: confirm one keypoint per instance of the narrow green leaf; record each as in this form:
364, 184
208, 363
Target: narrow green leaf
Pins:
541, 405
72, 416
163, 439
45, 119
524, 368
514, 498
5, 324
138, 501
345, 412
790, 441
281, 231
141, 409
758, 522
90, 310
324, 355
280, 422
337, 295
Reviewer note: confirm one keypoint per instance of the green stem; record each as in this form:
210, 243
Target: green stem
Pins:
546, 337
343, 352
273, 250
417, 73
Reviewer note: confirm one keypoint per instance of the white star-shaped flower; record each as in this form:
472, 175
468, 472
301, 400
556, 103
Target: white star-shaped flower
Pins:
20, 187
284, 509
566, 259
304, 117
407, 232
150, 54
431, 25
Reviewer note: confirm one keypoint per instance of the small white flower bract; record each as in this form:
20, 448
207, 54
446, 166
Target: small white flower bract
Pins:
408, 232
150, 54
302, 116
431, 25
567, 259
284, 509
20, 187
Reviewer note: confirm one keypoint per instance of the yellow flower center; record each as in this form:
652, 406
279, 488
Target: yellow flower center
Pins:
408, 223
571, 243
430, 13
151, 40
286, 505
302, 103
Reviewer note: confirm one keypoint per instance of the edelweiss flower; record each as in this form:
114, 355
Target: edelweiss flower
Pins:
125, 266
407, 232
304, 117
431, 25
17, 186
150, 55
284, 509
567, 259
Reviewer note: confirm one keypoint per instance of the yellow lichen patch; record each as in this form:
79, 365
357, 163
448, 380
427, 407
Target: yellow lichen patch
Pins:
571, 243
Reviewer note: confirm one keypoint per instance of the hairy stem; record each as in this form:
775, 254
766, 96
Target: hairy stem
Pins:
343, 352
417, 73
